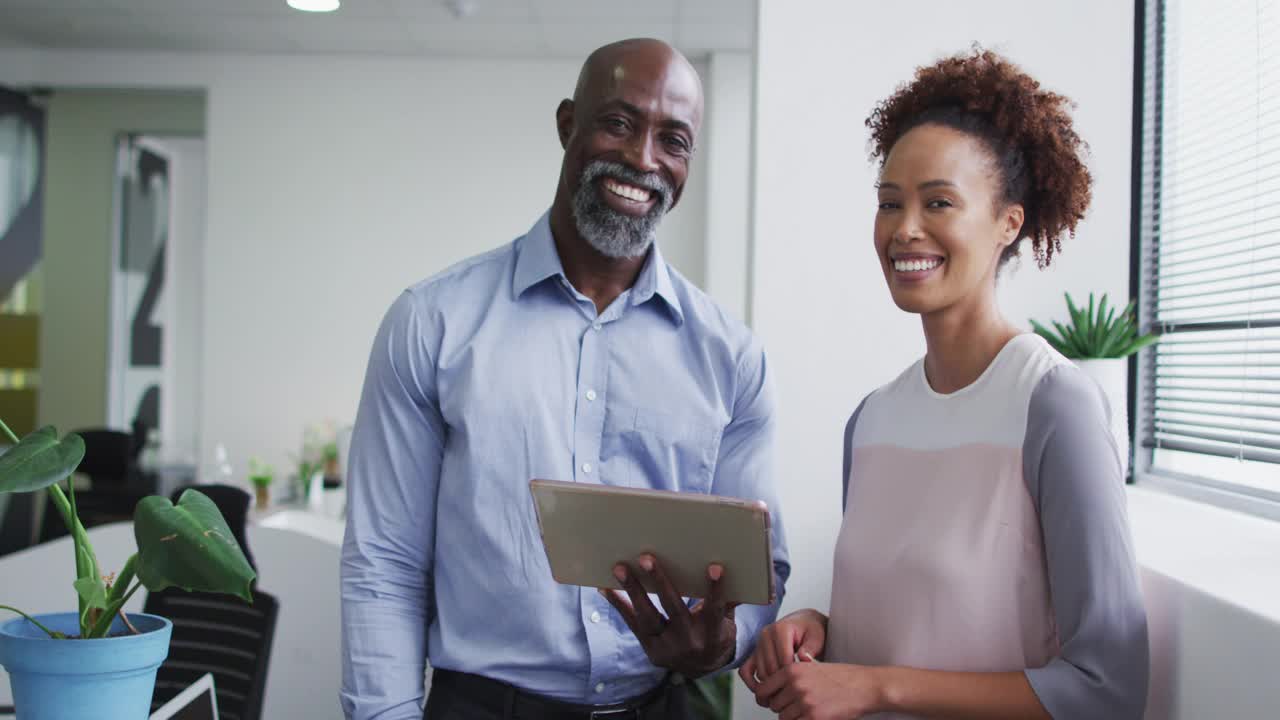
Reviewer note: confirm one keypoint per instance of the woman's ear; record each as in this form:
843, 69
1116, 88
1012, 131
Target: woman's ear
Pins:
1011, 224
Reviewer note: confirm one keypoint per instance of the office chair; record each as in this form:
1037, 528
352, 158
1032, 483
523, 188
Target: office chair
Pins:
215, 633
221, 635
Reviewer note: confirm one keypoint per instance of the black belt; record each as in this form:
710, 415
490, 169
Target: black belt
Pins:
498, 697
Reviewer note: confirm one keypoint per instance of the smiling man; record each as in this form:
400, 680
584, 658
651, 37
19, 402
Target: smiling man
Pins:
573, 353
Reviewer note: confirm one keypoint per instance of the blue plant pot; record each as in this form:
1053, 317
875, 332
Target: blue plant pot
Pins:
106, 679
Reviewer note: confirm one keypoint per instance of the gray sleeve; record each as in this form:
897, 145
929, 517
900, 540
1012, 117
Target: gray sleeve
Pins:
1073, 473
848, 454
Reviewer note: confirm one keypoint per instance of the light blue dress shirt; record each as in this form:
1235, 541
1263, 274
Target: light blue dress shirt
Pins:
497, 371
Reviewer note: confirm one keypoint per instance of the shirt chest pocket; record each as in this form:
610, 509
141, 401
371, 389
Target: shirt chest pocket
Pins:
646, 447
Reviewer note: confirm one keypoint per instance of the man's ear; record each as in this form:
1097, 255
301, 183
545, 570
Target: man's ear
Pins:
564, 122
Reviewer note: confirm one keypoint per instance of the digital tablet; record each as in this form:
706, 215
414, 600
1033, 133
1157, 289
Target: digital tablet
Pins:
587, 529
197, 702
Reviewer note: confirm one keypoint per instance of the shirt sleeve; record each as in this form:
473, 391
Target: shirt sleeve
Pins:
849, 427
1073, 472
387, 552
744, 469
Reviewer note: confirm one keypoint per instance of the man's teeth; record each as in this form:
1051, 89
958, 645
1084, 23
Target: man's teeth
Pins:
627, 191
916, 265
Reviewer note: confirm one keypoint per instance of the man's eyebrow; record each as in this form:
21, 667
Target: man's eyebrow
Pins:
635, 110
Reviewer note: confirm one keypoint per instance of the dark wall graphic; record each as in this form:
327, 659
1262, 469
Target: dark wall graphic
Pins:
139, 285
21, 141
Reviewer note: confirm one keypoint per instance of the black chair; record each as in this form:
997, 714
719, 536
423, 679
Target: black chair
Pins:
221, 635
115, 482
17, 522
218, 634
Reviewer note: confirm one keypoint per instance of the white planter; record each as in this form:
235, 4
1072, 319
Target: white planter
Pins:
1112, 376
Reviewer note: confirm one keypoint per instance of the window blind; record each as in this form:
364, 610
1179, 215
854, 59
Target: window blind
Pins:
1209, 229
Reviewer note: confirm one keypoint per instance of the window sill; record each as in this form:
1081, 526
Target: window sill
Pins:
1228, 555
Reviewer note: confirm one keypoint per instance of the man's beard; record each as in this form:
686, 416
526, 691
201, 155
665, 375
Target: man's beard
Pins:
611, 233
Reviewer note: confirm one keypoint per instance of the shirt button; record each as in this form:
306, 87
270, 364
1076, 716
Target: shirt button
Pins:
591, 395
596, 326
586, 468
599, 687
595, 617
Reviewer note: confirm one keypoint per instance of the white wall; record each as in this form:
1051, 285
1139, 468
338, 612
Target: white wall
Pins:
333, 183
332, 188
183, 298
1213, 607
727, 158
820, 302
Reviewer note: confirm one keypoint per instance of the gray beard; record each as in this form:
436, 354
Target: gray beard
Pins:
610, 232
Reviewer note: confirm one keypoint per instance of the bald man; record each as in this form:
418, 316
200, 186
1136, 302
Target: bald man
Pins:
573, 353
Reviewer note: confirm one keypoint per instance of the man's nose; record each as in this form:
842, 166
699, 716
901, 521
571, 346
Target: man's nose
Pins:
640, 153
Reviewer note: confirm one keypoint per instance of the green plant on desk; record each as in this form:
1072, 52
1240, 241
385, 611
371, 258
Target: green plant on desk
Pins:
187, 545
261, 476
307, 469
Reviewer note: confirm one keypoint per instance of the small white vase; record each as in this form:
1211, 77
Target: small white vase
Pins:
1112, 377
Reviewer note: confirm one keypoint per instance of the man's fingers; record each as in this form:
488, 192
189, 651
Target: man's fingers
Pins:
622, 605
671, 600
715, 608
648, 621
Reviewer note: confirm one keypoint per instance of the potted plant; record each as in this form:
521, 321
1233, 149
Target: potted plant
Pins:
261, 476
1099, 341
97, 662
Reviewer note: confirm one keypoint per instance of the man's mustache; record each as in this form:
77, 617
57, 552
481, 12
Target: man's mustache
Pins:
653, 182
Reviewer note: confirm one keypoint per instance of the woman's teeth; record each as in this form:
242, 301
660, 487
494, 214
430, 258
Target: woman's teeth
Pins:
916, 265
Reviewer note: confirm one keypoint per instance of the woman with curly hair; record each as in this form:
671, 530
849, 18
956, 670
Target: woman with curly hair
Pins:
984, 567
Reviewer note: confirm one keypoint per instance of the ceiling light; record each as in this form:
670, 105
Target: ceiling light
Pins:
314, 5
462, 8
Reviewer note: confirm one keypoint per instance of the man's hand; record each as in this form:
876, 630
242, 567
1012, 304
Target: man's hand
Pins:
801, 632
691, 642
812, 690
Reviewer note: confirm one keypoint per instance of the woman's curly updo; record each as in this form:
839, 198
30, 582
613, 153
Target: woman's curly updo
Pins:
1027, 131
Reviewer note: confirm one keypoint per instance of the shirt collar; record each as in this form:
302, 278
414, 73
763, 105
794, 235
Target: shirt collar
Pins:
538, 260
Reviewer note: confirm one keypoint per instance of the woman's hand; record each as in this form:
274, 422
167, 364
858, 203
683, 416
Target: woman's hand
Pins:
812, 690
801, 632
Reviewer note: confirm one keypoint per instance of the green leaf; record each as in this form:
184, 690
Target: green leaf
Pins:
1073, 346
189, 546
40, 460
1087, 330
1101, 326
1116, 338
124, 579
1076, 320
93, 595
1138, 344
89, 585
1050, 337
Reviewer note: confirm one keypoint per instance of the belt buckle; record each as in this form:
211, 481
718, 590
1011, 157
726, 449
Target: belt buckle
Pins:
618, 714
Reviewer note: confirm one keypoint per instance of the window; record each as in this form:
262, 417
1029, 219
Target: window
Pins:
1207, 257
